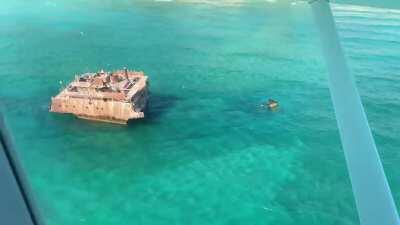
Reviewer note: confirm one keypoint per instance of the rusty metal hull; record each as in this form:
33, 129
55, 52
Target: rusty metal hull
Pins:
98, 98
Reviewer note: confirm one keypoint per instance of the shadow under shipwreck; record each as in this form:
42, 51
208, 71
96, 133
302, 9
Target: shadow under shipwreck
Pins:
157, 106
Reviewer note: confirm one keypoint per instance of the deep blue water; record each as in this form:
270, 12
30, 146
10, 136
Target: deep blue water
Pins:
207, 153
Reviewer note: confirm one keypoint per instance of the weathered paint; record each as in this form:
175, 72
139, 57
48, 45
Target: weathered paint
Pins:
111, 97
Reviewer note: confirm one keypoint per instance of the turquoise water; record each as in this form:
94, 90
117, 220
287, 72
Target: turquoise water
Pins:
207, 153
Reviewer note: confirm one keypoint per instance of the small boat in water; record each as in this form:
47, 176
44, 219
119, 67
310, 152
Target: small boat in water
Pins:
272, 104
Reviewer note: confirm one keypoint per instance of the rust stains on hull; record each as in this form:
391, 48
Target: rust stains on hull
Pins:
105, 119
114, 97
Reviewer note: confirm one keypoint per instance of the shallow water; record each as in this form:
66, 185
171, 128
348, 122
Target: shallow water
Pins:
207, 153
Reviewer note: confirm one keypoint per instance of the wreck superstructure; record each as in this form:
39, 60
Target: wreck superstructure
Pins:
104, 96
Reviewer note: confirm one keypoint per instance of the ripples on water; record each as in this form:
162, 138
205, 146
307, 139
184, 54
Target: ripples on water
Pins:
207, 152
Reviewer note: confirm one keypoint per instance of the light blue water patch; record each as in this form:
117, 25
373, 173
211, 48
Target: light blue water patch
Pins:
207, 152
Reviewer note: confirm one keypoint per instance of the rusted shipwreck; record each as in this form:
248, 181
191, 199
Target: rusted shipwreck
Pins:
114, 97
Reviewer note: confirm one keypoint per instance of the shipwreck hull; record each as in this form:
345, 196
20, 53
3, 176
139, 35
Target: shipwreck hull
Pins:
100, 110
95, 99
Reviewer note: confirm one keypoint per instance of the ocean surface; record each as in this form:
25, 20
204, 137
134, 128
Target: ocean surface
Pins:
207, 152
